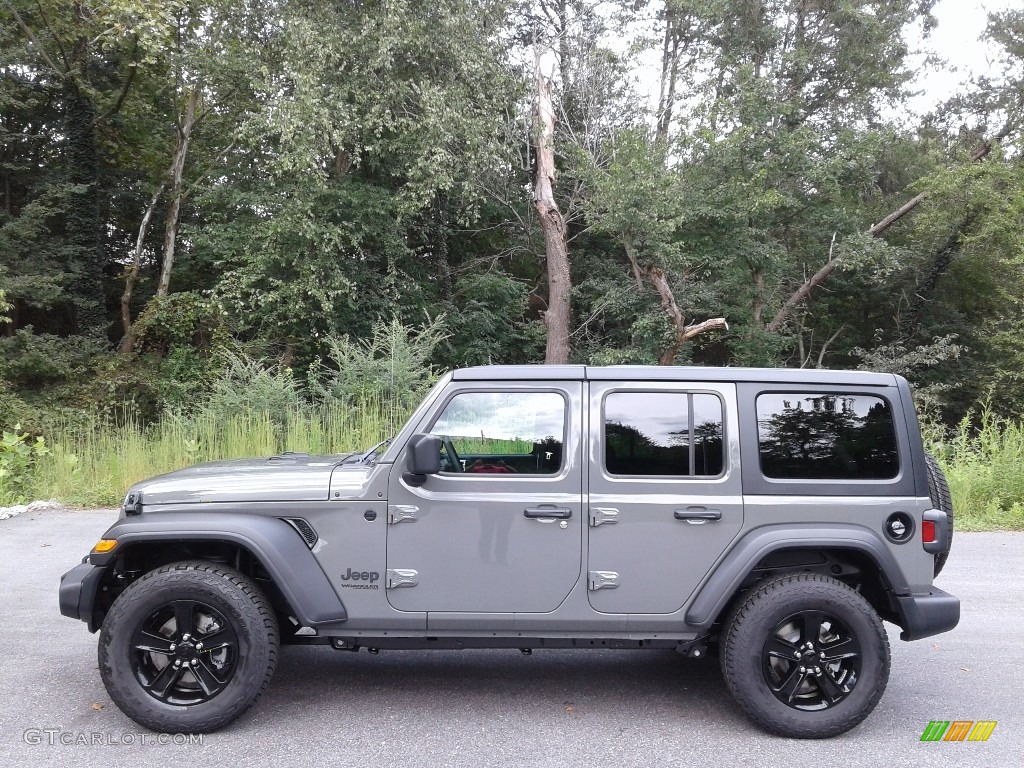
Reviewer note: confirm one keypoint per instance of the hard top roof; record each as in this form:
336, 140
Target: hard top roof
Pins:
671, 373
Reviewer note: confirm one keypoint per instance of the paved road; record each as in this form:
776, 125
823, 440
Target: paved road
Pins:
499, 708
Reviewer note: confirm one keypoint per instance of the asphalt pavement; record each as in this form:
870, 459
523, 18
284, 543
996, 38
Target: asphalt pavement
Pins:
499, 708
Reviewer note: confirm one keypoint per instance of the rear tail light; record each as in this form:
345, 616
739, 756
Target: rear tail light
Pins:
928, 534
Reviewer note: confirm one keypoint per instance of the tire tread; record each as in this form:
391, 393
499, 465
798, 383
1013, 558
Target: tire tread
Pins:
224, 579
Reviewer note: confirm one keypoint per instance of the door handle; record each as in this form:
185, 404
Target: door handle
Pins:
698, 515
549, 511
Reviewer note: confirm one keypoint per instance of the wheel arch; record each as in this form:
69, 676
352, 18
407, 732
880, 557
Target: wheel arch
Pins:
299, 585
773, 550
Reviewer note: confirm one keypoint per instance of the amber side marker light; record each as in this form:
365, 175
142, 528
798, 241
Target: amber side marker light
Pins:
928, 531
104, 545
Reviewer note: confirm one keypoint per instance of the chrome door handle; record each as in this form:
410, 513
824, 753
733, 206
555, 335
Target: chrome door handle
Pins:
698, 515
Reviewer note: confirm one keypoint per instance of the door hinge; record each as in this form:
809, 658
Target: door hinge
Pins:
603, 580
603, 516
402, 513
401, 577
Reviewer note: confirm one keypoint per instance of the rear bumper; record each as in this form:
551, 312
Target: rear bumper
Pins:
927, 615
78, 588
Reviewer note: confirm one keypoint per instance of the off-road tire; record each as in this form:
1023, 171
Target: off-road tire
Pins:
753, 622
231, 594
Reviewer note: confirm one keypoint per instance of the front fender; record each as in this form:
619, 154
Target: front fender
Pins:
279, 549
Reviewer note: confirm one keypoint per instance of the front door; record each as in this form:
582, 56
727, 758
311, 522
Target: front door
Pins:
499, 529
665, 496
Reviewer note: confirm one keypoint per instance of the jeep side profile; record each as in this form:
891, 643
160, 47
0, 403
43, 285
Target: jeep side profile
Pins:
774, 517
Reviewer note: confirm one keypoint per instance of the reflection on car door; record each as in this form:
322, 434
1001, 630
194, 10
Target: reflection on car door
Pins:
499, 529
665, 497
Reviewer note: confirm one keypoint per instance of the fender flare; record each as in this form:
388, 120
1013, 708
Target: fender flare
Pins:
719, 588
277, 546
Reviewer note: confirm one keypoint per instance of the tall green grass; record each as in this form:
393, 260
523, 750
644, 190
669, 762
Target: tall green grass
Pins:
94, 466
985, 469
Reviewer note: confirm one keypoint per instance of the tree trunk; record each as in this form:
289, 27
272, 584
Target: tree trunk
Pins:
757, 305
83, 218
669, 74
128, 341
556, 318
177, 171
634, 262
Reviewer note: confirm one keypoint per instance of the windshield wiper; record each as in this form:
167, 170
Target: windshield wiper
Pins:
369, 456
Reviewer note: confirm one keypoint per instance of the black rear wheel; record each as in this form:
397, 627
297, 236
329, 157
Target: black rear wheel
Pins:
188, 647
805, 656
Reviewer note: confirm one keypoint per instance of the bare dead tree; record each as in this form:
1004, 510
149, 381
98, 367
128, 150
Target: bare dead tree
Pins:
557, 315
132, 276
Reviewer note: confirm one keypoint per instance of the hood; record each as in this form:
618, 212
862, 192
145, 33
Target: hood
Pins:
287, 477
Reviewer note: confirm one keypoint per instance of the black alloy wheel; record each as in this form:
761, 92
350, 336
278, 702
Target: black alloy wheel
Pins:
188, 647
184, 652
811, 660
804, 655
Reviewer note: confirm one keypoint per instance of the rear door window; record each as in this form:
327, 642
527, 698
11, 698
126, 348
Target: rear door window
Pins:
668, 434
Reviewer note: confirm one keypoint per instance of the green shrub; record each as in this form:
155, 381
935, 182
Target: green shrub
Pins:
392, 369
984, 465
18, 455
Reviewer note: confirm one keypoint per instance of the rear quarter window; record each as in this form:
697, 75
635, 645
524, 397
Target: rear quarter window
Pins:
827, 436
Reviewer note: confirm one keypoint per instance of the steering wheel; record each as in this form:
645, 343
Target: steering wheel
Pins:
453, 457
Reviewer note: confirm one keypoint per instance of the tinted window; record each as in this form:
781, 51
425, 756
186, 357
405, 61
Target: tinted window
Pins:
826, 436
502, 433
657, 433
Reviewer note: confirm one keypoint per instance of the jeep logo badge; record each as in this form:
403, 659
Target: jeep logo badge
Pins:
370, 576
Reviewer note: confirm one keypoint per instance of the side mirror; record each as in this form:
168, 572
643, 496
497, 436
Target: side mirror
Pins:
423, 457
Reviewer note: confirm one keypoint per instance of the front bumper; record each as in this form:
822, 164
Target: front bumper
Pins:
78, 589
927, 615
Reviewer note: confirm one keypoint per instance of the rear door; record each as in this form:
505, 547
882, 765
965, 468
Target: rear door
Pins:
665, 495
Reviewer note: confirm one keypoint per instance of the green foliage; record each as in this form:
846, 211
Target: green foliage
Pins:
18, 455
489, 324
181, 319
392, 368
91, 465
915, 365
33, 361
253, 386
983, 467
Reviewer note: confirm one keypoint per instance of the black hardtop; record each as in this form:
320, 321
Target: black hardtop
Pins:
674, 373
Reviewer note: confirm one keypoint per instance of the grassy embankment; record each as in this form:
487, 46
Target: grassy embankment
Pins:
985, 467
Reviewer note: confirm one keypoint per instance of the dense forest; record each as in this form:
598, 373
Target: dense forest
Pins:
202, 195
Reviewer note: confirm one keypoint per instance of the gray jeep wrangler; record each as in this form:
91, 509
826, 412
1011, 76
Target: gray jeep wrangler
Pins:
774, 517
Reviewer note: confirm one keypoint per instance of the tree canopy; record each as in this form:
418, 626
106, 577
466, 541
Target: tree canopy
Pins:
722, 182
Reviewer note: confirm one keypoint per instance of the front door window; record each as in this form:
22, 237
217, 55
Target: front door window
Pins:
500, 433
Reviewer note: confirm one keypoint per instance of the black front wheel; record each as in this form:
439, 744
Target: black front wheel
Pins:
188, 647
805, 656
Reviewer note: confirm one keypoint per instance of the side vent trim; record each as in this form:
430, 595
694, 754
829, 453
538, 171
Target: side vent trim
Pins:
304, 529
